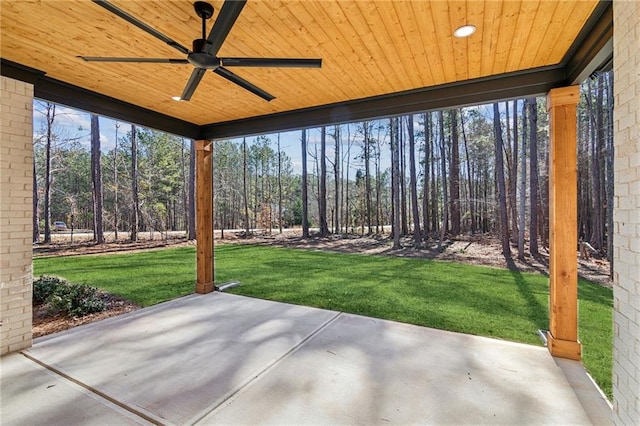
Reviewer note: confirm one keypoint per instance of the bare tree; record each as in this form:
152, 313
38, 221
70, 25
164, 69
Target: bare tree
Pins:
115, 184
48, 178
472, 210
279, 185
454, 175
395, 181
403, 193
367, 173
135, 208
513, 174
336, 173
523, 185
445, 196
502, 194
36, 211
426, 178
417, 235
96, 179
245, 191
324, 229
533, 177
305, 210
191, 189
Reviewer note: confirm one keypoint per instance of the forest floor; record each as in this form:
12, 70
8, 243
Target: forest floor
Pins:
476, 250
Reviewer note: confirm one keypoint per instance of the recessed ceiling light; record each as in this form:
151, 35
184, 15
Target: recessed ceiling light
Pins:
464, 31
176, 98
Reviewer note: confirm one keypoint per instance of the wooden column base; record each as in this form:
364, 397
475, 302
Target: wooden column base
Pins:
204, 288
564, 348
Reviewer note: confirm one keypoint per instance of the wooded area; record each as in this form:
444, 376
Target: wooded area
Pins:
431, 176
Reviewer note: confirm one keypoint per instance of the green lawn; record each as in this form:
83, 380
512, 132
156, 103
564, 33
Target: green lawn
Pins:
450, 296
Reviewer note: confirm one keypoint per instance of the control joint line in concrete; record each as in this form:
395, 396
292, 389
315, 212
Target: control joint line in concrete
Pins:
254, 377
138, 412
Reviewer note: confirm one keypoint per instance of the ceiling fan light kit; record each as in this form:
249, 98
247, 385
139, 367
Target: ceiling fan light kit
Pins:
203, 55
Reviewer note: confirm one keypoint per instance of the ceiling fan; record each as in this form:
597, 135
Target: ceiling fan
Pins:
203, 55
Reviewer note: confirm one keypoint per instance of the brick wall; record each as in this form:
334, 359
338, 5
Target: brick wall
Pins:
16, 168
626, 377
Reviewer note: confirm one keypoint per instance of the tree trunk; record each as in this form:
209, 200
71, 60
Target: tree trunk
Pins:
336, 171
305, 210
35, 219
454, 174
376, 165
417, 234
472, 210
324, 229
445, 195
609, 176
513, 175
395, 182
115, 185
192, 191
135, 208
367, 175
403, 192
245, 192
425, 181
434, 182
96, 179
597, 232
48, 178
523, 185
533, 178
502, 195
347, 215
279, 187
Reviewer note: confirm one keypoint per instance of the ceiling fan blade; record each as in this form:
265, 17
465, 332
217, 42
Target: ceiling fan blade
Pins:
135, 60
243, 83
124, 15
226, 18
193, 82
271, 62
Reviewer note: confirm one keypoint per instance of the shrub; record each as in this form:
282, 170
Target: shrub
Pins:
77, 300
45, 286
71, 299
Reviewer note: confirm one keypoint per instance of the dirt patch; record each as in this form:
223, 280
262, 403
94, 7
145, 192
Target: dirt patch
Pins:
47, 322
57, 249
481, 250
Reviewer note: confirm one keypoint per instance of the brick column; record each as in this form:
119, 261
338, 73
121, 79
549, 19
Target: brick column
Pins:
16, 180
204, 217
626, 213
562, 338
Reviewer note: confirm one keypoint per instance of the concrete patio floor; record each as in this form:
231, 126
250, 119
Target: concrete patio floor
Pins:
226, 359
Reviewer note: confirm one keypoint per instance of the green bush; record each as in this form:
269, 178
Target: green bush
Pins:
45, 286
71, 299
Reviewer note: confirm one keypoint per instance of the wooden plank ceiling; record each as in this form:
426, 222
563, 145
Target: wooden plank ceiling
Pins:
368, 48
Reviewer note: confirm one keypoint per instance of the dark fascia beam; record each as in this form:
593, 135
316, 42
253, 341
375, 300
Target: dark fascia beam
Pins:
471, 92
592, 50
59, 92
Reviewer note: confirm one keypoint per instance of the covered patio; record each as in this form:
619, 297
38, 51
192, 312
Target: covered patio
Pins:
226, 359
378, 59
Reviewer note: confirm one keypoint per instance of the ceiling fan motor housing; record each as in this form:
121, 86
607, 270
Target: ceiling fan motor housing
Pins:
200, 58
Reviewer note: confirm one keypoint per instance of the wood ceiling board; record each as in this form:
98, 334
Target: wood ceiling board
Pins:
368, 48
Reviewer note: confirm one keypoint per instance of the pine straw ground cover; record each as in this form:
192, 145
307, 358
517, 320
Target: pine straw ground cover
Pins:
493, 302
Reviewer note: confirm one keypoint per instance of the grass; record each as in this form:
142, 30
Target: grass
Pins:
145, 278
469, 299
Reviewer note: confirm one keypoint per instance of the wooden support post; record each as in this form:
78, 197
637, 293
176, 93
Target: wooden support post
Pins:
204, 217
562, 338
